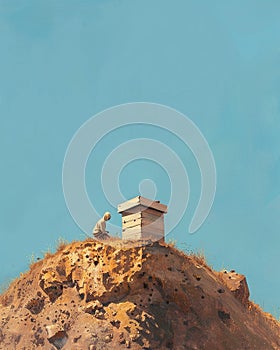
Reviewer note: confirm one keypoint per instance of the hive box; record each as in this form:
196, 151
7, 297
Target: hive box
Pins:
142, 218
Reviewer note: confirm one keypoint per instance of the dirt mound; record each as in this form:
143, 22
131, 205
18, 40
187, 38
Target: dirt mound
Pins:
91, 295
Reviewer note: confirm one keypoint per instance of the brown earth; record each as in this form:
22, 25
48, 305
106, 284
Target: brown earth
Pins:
118, 295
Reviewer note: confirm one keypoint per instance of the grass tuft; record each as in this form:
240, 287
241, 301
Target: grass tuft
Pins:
61, 244
172, 242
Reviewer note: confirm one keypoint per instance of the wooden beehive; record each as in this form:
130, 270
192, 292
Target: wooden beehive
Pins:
142, 218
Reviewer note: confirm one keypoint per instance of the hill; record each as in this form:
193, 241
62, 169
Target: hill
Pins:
91, 295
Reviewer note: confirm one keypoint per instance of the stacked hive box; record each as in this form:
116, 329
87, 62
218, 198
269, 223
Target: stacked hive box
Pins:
142, 218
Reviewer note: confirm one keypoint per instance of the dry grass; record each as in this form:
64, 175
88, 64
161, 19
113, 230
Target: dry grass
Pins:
31, 259
172, 242
199, 257
257, 311
61, 244
5, 286
48, 254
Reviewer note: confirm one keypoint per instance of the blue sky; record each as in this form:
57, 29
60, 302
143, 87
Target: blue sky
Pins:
217, 62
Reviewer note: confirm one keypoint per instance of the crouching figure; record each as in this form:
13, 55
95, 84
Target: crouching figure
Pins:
99, 230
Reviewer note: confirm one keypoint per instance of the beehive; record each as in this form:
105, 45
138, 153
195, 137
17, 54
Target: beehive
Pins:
142, 218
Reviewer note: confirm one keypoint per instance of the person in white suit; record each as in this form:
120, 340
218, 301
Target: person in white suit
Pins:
99, 230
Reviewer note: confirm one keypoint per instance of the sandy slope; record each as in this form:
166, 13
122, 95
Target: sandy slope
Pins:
118, 295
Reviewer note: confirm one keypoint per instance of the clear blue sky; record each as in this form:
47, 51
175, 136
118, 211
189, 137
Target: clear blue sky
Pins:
217, 62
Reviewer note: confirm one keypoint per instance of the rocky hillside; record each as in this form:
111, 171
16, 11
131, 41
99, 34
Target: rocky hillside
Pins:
118, 295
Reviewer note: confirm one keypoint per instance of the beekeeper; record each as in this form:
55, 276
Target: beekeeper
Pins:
99, 230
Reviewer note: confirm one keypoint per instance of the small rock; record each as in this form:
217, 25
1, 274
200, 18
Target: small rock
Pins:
99, 314
52, 330
93, 306
59, 339
108, 339
134, 337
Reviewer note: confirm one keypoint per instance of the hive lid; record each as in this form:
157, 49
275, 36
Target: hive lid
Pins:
139, 200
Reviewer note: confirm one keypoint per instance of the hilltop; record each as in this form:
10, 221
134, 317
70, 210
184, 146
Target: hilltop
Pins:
117, 295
